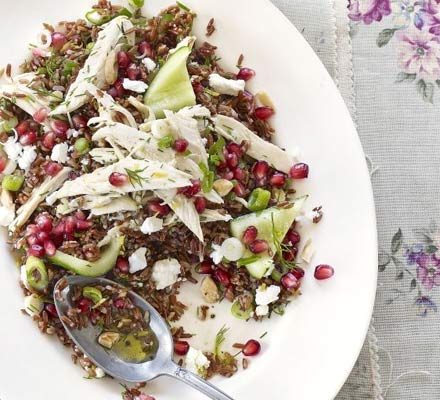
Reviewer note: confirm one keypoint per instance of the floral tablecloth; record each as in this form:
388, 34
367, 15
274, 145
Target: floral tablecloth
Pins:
385, 57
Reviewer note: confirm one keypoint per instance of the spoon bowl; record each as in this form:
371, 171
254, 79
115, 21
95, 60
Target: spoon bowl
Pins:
161, 364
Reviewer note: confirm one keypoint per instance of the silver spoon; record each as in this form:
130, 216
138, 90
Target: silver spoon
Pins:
161, 365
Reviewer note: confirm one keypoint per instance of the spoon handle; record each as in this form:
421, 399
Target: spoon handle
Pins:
196, 382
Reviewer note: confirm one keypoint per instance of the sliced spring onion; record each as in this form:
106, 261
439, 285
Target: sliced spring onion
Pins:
276, 275
183, 6
12, 183
237, 312
259, 199
125, 12
165, 142
36, 274
82, 146
136, 3
92, 293
90, 46
248, 260
97, 18
33, 304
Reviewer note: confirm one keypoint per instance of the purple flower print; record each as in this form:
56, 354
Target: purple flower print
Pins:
428, 270
406, 12
368, 11
431, 16
419, 53
425, 304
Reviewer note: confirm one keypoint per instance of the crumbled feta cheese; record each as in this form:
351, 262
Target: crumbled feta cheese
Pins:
27, 157
151, 225
261, 311
72, 133
7, 215
59, 153
196, 362
266, 295
134, 86
165, 272
226, 86
232, 249
216, 255
149, 64
13, 149
138, 260
99, 373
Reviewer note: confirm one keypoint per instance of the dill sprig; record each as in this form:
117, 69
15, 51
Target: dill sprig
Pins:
219, 340
280, 248
135, 177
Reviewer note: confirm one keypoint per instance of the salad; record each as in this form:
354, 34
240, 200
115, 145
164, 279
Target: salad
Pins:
128, 152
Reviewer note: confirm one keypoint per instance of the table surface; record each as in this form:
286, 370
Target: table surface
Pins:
389, 52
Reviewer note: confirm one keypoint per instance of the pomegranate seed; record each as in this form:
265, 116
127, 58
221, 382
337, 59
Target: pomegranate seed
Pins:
85, 305
278, 180
249, 235
82, 225
70, 225
79, 121
133, 72
263, 113
258, 246
190, 191
234, 148
40, 115
181, 347
44, 222
31, 229
227, 174
123, 59
222, 276
68, 237
239, 189
118, 179
156, 207
59, 228
60, 128
144, 396
324, 271
289, 255
240, 174
58, 40
231, 160
32, 239
52, 168
48, 140
260, 169
293, 237
36, 250
299, 171
113, 92
145, 49
80, 215
180, 145
206, 267
246, 74
28, 138
200, 204
122, 265
22, 127
3, 163
119, 303
50, 248
289, 281
298, 273
251, 348
42, 237
51, 310
198, 87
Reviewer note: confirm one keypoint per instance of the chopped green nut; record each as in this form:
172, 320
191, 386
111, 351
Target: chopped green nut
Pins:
92, 293
259, 199
12, 183
82, 146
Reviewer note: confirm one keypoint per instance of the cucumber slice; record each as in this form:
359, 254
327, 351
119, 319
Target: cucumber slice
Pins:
86, 268
272, 224
171, 89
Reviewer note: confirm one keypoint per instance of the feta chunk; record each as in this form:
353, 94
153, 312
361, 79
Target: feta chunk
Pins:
226, 86
261, 311
165, 273
266, 295
13, 149
99, 373
150, 65
27, 157
134, 86
59, 153
216, 255
196, 362
151, 225
138, 260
